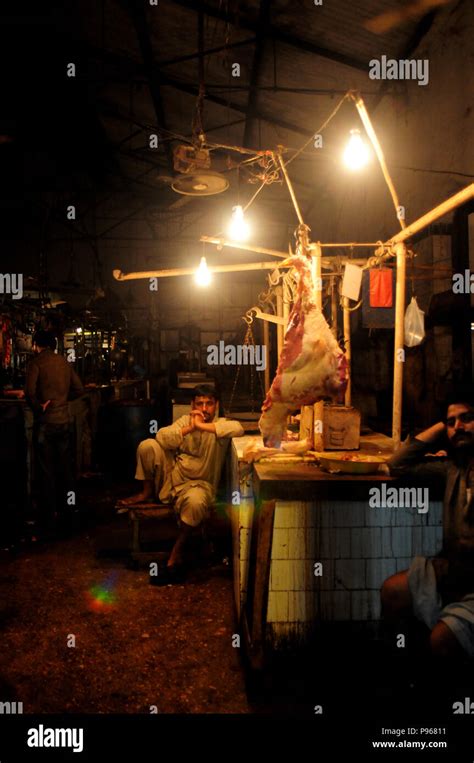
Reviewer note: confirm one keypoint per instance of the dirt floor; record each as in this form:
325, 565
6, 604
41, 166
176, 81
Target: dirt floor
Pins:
136, 645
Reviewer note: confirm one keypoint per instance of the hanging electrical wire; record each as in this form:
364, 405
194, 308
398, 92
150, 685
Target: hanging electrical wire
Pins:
319, 130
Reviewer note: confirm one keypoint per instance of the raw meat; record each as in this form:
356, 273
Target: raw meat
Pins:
312, 366
254, 451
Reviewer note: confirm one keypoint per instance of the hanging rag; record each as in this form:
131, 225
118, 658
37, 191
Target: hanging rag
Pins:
381, 291
377, 317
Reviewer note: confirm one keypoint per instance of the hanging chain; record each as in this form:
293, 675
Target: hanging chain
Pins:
249, 339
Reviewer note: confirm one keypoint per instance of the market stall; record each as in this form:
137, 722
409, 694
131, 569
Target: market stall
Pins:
307, 546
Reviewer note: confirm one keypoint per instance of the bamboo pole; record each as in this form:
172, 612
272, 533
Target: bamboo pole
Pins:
267, 316
360, 105
291, 189
316, 274
220, 242
446, 206
171, 272
318, 408
266, 342
350, 244
334, 301
399, 352
347, 345
280, 326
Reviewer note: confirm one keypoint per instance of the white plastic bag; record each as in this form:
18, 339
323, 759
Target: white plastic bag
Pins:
414, 324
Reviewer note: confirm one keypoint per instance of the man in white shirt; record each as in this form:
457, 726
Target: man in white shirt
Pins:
182, 466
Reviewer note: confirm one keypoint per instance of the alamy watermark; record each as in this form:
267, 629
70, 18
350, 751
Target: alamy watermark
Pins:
463, 283
11, 708
49, 737
12, 283
405, 68
384, 497
238, 354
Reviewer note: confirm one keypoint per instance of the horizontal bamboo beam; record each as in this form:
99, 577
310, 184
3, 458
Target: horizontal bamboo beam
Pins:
442, 209
245, 247
275, 252
350, 245
280, 321
220, 242
243, 266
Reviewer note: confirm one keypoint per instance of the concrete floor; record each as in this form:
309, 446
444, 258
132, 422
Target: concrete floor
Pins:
82, 633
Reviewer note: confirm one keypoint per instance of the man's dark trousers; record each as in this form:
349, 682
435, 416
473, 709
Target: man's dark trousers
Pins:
54, 471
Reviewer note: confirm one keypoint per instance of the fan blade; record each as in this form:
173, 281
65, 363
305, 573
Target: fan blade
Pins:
389, 20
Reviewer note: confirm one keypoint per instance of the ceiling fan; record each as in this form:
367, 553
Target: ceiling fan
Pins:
195, 178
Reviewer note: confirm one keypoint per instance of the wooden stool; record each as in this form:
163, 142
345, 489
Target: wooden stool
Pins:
143, 512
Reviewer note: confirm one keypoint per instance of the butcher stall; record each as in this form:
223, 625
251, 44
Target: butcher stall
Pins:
308, 547
314, 535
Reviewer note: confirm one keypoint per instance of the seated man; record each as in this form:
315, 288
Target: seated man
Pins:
440, 591
182, 466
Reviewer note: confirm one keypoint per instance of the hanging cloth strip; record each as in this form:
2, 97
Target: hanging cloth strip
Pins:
376, 317
381, 292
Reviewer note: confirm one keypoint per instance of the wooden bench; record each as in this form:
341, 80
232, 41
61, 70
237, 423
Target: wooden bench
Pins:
160, 512
144, 512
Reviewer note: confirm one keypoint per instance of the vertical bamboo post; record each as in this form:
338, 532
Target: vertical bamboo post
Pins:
266, 342
280, 328
317, 285
290, 188
316, 273
347, 345
334, 306
399, 352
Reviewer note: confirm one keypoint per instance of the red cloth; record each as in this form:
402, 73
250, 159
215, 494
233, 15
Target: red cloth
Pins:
381, 287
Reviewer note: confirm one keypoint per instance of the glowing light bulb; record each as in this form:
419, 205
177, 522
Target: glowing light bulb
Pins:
203, 276
238, 229
78, 330
356, 153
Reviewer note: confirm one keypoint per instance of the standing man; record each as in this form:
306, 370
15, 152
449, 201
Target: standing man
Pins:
182, 466
440, 591
50, 380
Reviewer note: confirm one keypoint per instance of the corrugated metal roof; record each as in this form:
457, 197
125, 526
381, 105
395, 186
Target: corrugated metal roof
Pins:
293, 59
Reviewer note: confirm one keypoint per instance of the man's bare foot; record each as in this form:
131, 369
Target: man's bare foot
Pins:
145, 494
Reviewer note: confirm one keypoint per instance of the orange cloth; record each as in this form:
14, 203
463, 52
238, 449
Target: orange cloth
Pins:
381, 287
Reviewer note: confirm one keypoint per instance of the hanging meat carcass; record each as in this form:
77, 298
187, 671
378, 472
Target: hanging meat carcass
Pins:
311, 367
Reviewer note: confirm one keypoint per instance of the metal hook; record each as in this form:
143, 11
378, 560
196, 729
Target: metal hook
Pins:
248, 317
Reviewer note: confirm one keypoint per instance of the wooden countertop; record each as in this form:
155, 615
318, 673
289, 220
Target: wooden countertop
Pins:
372, 443
306, 481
